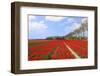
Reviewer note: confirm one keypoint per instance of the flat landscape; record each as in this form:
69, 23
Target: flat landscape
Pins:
57, 49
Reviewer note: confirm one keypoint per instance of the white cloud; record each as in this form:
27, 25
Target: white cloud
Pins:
32, 18
69, 20
38, 30
75, 26
54, 18
37, 26
71, 28
84, 20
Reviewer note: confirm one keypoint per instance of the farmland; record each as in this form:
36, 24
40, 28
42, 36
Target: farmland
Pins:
57, 49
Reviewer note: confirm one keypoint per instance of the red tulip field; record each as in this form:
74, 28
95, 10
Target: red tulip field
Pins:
57, 49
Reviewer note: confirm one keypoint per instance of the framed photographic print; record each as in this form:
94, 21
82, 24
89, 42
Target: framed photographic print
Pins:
52, 37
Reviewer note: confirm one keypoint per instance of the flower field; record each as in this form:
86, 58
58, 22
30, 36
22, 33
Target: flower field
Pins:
57, 49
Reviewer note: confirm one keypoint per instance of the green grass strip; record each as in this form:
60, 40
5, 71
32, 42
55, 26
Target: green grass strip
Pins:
50, 54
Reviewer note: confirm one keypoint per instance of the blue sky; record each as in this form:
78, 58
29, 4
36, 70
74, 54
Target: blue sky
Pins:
41, 27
